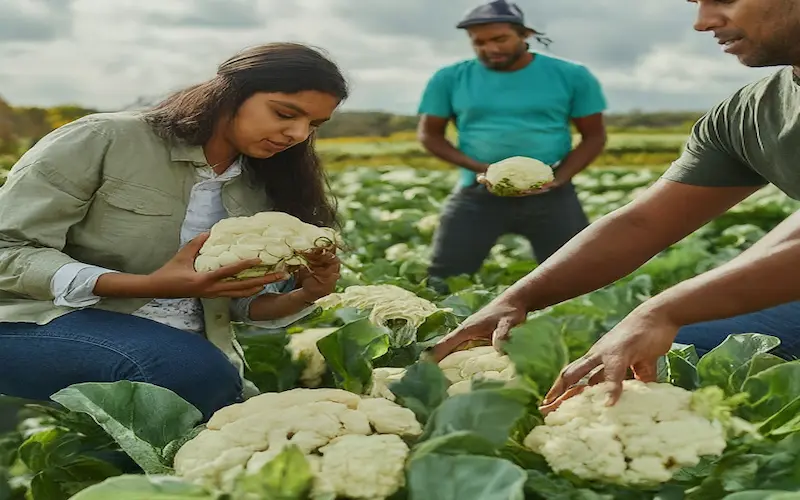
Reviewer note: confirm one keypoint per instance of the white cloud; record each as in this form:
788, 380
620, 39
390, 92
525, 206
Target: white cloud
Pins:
107, 54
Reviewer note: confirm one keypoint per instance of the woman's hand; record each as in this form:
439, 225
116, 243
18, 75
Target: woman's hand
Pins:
321, 276
494, 322
636, 342
178, 279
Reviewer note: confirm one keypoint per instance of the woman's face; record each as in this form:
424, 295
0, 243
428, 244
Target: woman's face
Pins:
268, 123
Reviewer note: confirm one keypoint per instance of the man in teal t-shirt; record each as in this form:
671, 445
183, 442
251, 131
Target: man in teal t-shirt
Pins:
745, 142
508, 102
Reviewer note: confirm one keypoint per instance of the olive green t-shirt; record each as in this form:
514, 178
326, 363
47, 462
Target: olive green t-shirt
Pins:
750, 139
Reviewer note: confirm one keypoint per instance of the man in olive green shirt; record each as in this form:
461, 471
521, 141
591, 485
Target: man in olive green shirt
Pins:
749, 140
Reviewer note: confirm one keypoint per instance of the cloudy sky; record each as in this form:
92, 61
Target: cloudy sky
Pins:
109, 53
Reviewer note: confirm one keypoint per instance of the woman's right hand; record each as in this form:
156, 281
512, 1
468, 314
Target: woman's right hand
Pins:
178, 279
494, 322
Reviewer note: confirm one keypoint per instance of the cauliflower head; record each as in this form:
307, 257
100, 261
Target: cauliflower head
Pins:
303, 346
651, 432
276, 238
460, 368
390, 306
354, 445
518, 174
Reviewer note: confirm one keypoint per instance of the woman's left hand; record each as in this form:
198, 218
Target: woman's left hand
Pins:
321, 276
636, 342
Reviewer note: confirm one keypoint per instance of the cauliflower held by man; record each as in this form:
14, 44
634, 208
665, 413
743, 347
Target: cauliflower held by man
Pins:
651, 432
517, 175
353, 445
277, 238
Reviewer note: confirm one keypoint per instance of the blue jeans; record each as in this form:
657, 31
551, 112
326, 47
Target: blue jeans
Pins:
90, 345
782, 321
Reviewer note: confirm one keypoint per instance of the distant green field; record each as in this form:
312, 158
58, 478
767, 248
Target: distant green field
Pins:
631, 149
377, 146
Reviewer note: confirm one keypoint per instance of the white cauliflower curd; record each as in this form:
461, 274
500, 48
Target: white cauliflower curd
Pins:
277, 238
303, 347
354, 445
390, 306
459, 367
518, 174
651, 432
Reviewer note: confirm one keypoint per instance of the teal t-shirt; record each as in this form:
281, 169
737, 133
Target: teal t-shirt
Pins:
526, 112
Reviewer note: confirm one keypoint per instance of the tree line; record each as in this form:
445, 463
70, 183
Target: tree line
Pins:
20, 126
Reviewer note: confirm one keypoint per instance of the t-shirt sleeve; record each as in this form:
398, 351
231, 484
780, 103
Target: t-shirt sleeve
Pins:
708, 157
436, 100
588, 98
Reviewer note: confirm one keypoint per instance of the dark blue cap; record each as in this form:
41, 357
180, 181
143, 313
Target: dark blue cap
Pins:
498, 11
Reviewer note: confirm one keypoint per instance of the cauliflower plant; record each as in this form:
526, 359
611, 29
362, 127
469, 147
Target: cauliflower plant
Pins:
651, 432
518, 174
459, 367
303, 346
389, 305
277, 238
354, 445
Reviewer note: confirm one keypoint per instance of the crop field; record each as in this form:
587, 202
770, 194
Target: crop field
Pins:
630, 149
136, 441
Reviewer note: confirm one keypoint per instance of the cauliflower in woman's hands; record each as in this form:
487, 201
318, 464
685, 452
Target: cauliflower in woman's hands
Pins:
651, 432
517, 176
278, 239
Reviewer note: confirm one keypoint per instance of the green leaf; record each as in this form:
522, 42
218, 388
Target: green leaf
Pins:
455, 443
785, 421
288, 476
139, 487
59, 467
538, 352
764, 495
269, 362
142, 418
758, 363
490, 414
460, 477
422, 389
716, 367
772, 389
349, 352
436, 325
681, 371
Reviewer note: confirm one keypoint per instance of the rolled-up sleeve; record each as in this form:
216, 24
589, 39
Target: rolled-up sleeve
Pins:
47, 192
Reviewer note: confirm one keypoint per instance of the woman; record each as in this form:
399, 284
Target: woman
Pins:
101, 220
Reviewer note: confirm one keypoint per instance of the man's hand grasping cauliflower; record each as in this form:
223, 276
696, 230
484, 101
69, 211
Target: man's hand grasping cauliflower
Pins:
323, 423
651, 432
517, 176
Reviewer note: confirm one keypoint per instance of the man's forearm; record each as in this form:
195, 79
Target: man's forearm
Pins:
274, 306
581, 157
591, 260
440, 147
764, 276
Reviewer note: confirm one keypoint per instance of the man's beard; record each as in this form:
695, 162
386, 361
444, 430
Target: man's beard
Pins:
505, 63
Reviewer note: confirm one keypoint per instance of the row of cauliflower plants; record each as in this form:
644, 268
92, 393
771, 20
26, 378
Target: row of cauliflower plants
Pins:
343, 415
351, 409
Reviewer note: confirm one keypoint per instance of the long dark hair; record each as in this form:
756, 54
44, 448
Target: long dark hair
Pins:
294, 179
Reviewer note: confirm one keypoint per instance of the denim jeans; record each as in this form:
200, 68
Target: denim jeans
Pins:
782, 321
90, 345
473, 220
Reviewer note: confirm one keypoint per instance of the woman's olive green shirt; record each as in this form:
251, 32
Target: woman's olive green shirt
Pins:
103, 190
